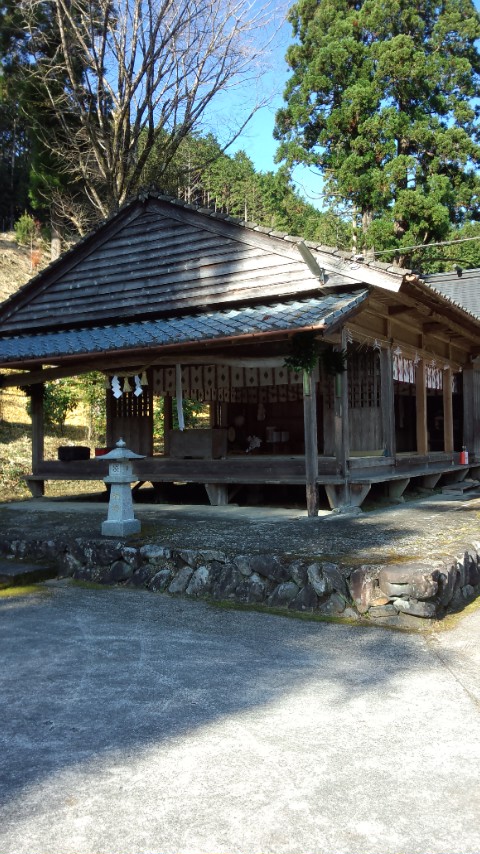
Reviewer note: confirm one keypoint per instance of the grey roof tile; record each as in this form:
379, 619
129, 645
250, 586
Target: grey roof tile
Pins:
287, 315
461, 288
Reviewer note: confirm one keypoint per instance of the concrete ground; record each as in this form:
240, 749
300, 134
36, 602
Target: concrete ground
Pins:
135, 723
430, 528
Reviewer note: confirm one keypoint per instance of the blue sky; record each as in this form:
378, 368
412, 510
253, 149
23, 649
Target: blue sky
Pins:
257, 139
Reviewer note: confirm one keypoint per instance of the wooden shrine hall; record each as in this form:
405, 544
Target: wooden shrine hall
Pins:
319, 369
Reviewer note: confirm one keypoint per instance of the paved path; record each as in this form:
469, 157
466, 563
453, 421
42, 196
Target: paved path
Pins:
134, 723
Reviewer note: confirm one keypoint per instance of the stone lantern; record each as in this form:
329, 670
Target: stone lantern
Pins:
120, 520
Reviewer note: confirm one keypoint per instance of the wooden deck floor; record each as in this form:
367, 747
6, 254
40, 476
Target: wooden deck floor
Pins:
220, 474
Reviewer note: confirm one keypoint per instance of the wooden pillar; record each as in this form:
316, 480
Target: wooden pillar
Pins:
341, 424
447, 411
37, 426
387, 402
421, 406
311, 449
471, 409
167, 423
110, 441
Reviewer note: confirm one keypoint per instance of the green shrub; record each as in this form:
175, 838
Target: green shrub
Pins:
59, 399
26, 229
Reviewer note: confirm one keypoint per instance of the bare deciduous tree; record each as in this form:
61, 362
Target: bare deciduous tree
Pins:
115, 77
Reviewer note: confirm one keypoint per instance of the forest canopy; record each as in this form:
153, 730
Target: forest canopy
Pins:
99, 100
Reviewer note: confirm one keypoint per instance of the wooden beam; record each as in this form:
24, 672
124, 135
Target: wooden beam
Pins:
126, 359
311, 262
42, 375
24, 378
457, 319
393, 310
435, 326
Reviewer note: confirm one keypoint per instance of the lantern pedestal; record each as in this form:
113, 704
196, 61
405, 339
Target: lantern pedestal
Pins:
120, 520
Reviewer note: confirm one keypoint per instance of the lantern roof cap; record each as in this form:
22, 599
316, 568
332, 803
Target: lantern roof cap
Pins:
121, 452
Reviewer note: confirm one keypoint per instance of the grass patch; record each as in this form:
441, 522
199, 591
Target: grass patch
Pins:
22, 590
311, 617
450, 621
89, 585
308, 616
16, 448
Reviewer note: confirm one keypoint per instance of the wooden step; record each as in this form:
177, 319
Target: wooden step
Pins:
16, 573
462, 486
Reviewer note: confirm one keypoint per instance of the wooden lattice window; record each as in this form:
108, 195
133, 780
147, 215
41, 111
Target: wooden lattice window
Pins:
364, 385
130, 405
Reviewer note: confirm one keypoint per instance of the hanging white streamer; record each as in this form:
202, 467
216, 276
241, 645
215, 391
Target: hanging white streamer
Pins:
179, 396
116, 389
138, 385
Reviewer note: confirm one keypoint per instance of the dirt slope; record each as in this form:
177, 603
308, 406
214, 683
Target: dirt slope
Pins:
17, 264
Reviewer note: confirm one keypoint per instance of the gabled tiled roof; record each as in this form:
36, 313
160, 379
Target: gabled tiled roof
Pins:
462, 288
158, 257
322, 312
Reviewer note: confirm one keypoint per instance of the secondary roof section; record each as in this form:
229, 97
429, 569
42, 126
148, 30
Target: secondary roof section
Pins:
320, 313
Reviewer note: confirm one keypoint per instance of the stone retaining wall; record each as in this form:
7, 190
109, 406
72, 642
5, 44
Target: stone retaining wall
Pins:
395, 594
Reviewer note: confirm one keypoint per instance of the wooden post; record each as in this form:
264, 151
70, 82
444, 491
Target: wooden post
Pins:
421, 401
37, 426
341, 425
167, 423
38, 436
311, 449
447, 411
109, 409
387, 402
471, 409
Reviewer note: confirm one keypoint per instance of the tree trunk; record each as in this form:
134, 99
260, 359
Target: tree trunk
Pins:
56, 238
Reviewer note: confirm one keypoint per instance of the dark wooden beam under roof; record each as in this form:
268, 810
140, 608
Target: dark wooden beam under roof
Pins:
455, 319
435, 326
394, 310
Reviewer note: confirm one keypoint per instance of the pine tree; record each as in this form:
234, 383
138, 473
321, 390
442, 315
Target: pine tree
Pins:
382, 100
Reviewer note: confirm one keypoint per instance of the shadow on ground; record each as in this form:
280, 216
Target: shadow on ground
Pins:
90, 672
